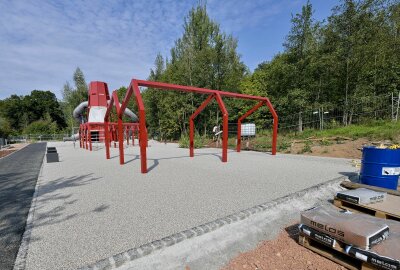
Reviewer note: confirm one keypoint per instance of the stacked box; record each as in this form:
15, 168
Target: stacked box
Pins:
361, 196
371, 243
351, 228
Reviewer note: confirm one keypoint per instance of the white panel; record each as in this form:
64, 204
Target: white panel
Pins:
97, 113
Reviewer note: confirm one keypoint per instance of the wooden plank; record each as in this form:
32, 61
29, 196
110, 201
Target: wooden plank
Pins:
337, 255
388, 209
351, 185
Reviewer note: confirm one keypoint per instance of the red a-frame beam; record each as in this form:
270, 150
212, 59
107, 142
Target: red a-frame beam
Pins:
134, 88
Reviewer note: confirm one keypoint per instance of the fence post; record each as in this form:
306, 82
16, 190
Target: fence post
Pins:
300, 123
392, 108
397, 109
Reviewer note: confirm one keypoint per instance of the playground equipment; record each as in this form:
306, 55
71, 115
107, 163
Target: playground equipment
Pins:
94, 128
212, 94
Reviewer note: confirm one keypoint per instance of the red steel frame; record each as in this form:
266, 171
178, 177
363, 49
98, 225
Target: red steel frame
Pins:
213, 94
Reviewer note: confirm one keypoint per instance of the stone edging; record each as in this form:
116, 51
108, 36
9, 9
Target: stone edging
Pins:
136, 253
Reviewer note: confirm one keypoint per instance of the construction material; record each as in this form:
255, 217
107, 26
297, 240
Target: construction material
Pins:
385, 255
351, 228
52, 155
351, 185
380, 167
388, 209
361, 196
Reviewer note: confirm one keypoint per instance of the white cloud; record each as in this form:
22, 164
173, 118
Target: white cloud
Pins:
42, 42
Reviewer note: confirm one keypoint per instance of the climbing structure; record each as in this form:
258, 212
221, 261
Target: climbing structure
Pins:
212, 94
91, 117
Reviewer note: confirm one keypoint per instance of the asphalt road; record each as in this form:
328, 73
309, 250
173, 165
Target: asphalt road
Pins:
18, 175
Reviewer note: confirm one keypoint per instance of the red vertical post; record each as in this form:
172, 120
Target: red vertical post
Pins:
133, 135
107, 139
224, 127
121, 141
120, 128
191, 137
80, 136
239, 128
191, 123
86, 138
114, 136
127, 135
239, 136
142, 127
275, 126
90, 137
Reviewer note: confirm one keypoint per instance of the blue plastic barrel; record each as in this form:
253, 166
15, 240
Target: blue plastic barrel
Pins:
380, 167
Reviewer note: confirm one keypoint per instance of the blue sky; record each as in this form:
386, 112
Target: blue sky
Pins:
42, 42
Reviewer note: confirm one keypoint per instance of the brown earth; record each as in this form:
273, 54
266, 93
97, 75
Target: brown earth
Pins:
340, 149
281, 253
14, 147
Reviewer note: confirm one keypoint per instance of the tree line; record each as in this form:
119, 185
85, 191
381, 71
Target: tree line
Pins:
353, 54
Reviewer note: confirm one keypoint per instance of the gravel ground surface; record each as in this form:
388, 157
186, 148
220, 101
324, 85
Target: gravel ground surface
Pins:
18, 175
89, 208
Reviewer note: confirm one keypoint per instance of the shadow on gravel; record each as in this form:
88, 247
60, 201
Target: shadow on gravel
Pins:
53, 193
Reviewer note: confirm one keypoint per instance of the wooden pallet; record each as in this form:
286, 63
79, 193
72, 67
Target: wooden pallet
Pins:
350, 185
336, 254
389, 209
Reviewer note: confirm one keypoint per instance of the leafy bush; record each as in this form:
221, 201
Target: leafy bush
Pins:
306, 147
41, 127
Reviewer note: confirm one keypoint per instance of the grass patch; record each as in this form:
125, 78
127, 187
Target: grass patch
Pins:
199, 141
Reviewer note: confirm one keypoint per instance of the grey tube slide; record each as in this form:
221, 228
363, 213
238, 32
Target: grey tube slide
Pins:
77, 114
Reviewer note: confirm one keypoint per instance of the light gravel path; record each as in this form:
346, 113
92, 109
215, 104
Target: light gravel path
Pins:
89, 208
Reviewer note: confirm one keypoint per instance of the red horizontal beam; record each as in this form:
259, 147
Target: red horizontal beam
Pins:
196, 90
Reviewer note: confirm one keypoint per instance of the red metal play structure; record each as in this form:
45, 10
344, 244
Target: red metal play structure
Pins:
121, 127
95, 127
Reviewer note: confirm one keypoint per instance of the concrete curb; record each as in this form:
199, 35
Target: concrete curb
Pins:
136, 253
20, 261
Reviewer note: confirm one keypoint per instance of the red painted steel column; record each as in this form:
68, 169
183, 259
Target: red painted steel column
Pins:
239, 136
121, 141
191, 137
114, 137
107, 139
224, 127
86, 138
134, 88
239, 133
90, 138
127, 135
80, 136
275, 127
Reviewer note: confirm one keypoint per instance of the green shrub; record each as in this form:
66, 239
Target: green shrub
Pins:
199, 141
41, 127
306, 147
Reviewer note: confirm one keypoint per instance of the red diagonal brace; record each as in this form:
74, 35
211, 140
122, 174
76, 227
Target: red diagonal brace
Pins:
191, 123
239, 124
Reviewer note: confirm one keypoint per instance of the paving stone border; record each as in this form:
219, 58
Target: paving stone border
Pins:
136, 253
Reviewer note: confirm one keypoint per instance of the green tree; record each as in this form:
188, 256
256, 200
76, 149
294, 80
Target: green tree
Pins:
204, 57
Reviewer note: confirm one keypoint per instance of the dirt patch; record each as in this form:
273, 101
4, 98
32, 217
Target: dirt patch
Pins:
340, 149
14, 147
281, 253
